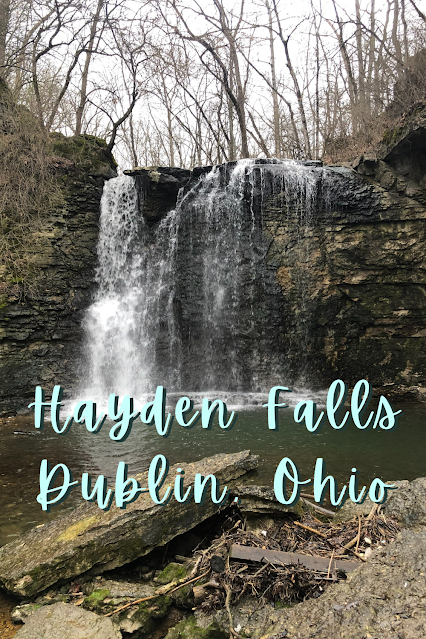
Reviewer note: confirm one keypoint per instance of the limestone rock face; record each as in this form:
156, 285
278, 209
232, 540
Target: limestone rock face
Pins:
65, 621
407, 503
341, 287
40, 332
353, 284
340, 264
261, 500
89, 539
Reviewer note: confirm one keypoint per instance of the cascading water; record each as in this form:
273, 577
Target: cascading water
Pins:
192, 302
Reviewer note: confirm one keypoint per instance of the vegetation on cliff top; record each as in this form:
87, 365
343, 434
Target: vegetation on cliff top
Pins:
33, 183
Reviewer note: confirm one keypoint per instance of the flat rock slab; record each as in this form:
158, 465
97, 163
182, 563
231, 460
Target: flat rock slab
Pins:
261, 500
89, 539
64, 621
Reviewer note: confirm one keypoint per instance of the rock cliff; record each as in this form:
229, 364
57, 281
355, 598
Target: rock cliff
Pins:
346, 248
40, 330
345, 280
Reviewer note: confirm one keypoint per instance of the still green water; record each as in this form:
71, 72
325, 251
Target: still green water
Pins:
390, 455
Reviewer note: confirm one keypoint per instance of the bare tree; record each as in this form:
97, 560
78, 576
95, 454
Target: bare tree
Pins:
4, 25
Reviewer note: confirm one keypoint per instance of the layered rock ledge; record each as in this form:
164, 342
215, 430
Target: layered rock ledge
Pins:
89, 539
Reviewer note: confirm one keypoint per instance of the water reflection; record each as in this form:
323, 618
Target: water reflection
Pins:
389, 455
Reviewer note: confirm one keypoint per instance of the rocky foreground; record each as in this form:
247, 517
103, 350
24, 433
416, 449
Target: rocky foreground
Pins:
63, 570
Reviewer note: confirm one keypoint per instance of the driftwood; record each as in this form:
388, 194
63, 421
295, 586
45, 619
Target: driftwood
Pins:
321, 564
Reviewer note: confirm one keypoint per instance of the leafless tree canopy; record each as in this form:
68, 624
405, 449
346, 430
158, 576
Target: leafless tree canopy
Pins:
185, 82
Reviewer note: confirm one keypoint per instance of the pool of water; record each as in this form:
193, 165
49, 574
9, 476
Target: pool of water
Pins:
390, 455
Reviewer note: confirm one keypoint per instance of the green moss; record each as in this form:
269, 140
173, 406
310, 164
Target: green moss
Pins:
188, 629
183, 597
96, 598
141, 616
159, 606
172, 572
281, 604
73, 531
87, 152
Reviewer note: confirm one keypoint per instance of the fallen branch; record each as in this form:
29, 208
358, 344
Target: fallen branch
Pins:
357, 555
233, 633
373, 512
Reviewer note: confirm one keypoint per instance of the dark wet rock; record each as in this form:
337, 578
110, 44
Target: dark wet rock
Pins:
399, 161
89, 539
384, 598
158, 189
64, 621
217, 563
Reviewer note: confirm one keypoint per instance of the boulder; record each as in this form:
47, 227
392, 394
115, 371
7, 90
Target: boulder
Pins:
90, 539
64, 621
407, 503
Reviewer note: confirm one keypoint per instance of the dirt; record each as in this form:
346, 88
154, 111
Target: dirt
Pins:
7, 628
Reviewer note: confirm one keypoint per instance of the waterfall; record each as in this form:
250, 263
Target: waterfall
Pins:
192, 302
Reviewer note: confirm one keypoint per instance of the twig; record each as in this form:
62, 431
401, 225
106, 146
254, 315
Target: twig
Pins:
228, 610
357, 555
195, 568
329, 565
190, 581
359, 533
312, 530
320, 509
138, 601
372, 512
355, 540
261, 569
165, 553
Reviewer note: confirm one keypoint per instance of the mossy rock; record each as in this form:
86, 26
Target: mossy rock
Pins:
143, 619
158, 607
87, 152
188, 629
138, 619
172, 572
184, 597
96, 599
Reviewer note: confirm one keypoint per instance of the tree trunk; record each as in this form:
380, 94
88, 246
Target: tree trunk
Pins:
85, 75
275, 107
4, 24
